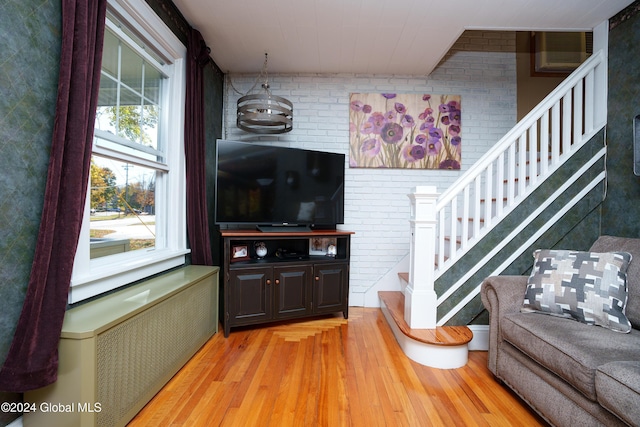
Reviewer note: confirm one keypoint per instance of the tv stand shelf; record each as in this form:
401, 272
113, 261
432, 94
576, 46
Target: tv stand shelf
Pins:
302, 274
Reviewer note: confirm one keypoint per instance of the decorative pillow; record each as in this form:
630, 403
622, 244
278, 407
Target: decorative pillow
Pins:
587, 286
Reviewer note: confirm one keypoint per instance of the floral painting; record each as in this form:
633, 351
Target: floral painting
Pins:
388, 130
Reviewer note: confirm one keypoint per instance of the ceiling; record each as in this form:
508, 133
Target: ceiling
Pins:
407, 37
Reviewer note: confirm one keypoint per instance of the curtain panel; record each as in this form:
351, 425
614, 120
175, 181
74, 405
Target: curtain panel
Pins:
32, 360
195, 153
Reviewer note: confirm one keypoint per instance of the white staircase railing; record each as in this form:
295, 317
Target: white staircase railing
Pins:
530, 152
566, 119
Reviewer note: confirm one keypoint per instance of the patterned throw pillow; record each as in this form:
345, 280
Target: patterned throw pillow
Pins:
587, 286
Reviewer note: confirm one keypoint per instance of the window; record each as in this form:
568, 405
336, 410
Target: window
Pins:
134, 223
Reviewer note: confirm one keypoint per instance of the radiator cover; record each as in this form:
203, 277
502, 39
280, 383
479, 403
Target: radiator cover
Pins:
117, 352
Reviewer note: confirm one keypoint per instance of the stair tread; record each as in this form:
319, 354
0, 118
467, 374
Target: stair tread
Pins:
441, 335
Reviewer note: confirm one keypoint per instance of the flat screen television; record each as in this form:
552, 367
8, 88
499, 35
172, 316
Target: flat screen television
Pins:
278, 188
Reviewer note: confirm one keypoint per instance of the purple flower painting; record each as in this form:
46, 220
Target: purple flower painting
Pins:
389, 130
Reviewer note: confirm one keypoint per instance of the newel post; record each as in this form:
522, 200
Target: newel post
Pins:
420, 299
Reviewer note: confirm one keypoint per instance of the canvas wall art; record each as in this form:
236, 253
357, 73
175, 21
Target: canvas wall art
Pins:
417, 131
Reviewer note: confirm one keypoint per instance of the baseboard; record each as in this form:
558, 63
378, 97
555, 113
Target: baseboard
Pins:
480, 339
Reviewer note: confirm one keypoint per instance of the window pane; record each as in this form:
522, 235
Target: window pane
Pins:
131, 69
130, 94
107, 100
110, 54
122, 207
129, 115
150, 126
108, 96
152, 84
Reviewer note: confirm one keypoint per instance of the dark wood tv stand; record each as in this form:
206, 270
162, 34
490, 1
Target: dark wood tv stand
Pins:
295, 279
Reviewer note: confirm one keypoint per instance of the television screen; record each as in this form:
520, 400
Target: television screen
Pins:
270, 185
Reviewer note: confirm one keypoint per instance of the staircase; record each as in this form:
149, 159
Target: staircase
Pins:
548, 170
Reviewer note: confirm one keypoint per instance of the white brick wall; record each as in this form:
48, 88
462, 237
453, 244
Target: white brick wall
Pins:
481, 67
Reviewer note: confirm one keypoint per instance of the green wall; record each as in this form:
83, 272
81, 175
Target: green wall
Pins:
30, 34
29, 52
621, 213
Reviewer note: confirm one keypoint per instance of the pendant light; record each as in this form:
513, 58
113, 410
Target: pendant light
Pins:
263, 112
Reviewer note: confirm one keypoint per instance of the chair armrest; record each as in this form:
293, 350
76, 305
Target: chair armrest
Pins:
501, 295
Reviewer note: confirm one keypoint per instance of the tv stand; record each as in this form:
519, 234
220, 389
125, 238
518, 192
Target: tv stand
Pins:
283, 228
302, 274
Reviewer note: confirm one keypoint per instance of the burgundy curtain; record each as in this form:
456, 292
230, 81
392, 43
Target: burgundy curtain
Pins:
32, 361
194, 146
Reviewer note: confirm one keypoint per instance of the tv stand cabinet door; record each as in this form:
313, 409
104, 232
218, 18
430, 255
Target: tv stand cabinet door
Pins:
292, 293
250, 296
331, 288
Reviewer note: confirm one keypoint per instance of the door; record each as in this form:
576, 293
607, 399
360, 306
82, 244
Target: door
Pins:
250, 296
330, 288
292, 291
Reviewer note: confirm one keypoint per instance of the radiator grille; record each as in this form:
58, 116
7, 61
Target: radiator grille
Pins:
136, 357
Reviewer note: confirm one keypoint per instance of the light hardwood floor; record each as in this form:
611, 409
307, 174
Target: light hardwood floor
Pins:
328, 372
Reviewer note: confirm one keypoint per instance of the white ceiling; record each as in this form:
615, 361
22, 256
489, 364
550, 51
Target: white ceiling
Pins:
407, 37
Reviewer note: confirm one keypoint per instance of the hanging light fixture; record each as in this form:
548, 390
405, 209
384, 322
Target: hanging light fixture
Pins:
264, 112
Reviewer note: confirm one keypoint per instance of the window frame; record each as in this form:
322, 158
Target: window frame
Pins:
92, 277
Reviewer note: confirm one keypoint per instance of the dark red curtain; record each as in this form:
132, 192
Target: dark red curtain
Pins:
32, 361
194, 146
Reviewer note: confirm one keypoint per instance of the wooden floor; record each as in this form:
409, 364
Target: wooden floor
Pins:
328, 372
